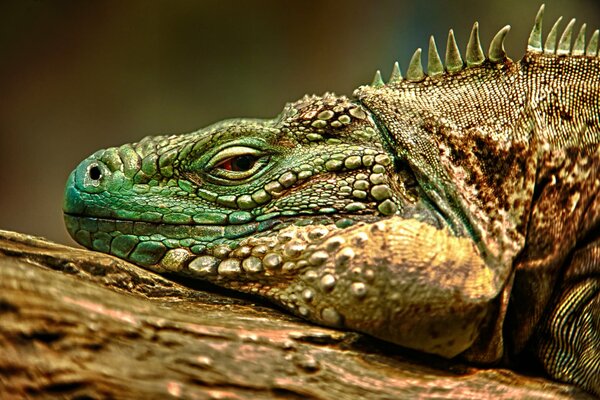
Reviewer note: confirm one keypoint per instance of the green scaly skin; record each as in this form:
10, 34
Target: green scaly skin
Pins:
455, 212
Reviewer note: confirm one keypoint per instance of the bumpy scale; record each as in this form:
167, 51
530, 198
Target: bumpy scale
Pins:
454, 212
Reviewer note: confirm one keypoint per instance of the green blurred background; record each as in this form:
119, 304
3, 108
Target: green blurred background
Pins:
77, 76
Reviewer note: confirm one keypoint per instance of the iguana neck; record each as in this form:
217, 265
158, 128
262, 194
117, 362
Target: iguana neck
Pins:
476, 165
474, 137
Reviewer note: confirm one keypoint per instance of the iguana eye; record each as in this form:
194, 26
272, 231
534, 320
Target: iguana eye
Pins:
236, 163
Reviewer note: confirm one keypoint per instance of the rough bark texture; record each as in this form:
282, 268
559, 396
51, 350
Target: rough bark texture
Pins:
79, 324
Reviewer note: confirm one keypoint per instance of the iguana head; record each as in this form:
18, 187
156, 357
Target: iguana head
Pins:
191, 202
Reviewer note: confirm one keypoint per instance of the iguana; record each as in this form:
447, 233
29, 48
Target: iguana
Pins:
455, 212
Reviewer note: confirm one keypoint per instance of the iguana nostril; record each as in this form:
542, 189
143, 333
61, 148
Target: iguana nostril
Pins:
94, 172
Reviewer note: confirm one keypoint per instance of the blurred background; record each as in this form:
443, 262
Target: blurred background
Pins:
77, 76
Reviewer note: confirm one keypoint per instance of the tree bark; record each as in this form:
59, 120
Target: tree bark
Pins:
80, 324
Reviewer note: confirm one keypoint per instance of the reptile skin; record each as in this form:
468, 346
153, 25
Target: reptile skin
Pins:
455, 212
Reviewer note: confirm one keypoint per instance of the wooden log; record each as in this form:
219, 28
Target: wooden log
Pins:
80, 324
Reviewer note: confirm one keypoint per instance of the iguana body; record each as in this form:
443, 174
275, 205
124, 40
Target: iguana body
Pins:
456, 213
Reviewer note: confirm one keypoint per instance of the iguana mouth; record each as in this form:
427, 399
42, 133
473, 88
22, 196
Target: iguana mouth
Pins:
215, 231
98, 232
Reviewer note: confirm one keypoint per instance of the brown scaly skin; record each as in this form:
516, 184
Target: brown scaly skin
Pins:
455, 213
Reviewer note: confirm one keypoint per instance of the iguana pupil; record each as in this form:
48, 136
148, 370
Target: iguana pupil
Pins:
239, 163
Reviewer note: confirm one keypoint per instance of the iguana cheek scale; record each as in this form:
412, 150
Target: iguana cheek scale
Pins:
454, 212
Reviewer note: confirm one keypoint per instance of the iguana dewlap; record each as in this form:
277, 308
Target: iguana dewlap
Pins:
455, 212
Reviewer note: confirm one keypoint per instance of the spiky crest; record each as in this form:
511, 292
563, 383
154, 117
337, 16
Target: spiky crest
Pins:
454, 62
377, 81
496, 54
564, 43
550, 45
475, 54
535, 37
396, 75
415, 68
592, 49
434, 62
579, 46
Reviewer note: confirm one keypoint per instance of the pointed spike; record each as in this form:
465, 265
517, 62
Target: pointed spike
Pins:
496, 53
474, 53
592, 49
454, 62
564, 44
579, 46
434, 62
535, 37
377, 81
415, 68
396, 75
550, 45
